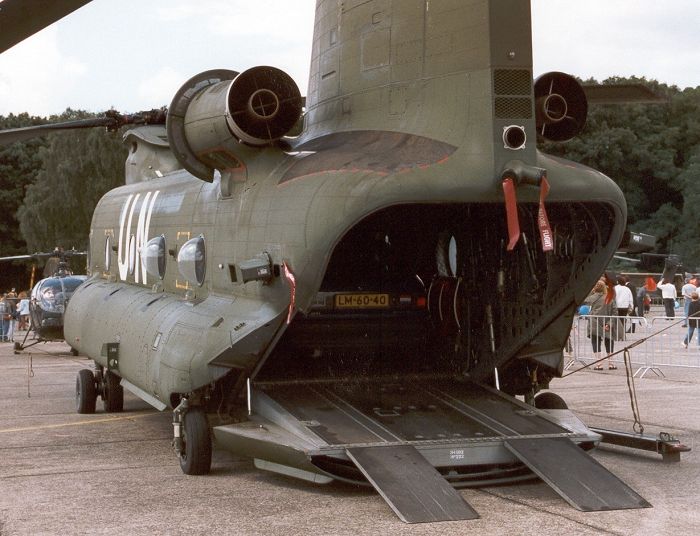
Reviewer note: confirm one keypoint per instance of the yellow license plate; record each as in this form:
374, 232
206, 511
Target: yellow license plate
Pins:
361, 301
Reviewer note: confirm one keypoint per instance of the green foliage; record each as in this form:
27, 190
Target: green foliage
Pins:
652, 151
79, 166
49, 187
19, 165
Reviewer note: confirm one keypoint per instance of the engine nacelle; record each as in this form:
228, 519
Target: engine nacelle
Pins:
215, 110
560, 106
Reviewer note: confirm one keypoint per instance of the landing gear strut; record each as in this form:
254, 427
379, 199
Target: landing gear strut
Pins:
112, 393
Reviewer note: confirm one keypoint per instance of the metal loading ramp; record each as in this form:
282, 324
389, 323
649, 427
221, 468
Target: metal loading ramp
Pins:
412, 487
412, 439
579, 479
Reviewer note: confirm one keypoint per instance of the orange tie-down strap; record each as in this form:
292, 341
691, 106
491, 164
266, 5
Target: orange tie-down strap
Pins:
512, 215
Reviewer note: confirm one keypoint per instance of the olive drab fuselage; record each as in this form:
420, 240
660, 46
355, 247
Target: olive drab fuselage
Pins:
417, 117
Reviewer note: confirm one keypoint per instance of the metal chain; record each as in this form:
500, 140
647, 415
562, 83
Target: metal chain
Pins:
637, 426
30, 375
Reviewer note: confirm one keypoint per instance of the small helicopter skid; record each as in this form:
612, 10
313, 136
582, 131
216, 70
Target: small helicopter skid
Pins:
21, 346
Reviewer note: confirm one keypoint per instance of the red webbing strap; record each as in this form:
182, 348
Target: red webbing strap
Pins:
543, 220
289, 276
511, 213
610, 293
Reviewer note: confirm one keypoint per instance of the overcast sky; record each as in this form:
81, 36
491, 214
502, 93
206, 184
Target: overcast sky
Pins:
134, 54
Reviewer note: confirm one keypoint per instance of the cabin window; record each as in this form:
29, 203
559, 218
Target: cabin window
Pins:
154, 256
191, 260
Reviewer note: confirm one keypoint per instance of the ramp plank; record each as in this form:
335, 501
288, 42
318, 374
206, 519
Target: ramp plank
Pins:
410, 485
583, 482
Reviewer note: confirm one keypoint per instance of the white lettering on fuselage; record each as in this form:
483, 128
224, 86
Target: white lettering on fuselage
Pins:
129, 246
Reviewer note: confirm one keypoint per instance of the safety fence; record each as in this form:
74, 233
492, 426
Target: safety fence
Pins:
653, 342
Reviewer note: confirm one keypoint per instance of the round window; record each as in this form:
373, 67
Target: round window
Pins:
191, 261
154, 256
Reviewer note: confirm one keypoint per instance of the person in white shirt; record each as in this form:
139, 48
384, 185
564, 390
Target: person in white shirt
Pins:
687, 292
624, 302
668, 295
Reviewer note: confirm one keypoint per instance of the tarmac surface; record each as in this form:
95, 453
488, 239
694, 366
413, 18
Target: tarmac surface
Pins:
64, 473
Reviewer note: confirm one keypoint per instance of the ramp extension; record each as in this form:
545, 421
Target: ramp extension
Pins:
414, 490
579, 479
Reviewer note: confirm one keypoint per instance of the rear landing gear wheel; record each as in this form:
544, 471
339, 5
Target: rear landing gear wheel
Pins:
195, 458
112, 393
85, 392
550, 401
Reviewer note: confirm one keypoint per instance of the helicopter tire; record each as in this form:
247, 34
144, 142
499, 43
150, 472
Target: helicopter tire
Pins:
195, 458
113, 393
18, 346
85, 392
550, 400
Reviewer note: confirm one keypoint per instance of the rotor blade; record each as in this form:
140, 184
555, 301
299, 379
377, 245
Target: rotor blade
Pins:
112, 119
46, 255
626, 259
74, 253
621, 94
21, 18
25, 133
17, 258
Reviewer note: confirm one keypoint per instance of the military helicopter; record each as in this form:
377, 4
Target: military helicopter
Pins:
370, 294
50, 295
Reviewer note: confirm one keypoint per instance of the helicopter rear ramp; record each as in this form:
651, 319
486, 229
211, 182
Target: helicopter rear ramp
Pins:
415, 440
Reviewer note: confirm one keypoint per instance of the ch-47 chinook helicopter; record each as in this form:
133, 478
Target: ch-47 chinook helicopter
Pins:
371, 294
50, 296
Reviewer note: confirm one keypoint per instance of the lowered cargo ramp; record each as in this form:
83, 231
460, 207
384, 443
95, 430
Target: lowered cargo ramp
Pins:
400, 437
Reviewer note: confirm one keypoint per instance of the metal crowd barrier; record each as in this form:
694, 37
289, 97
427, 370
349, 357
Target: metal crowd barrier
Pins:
587, 327
667, 347
663, 345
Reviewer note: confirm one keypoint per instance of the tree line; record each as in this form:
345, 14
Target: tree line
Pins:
652, 151
49, 186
